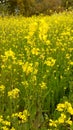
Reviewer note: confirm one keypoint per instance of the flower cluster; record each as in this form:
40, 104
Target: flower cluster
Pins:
22, 116
13, 94
64, 119
2, 88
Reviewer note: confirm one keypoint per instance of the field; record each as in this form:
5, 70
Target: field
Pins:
36, 72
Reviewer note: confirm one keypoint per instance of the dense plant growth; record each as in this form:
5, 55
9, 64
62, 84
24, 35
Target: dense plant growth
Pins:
36, 71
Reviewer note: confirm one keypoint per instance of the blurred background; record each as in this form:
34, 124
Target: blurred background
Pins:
34, 7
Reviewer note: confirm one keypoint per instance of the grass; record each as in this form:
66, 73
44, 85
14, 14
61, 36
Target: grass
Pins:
36, 68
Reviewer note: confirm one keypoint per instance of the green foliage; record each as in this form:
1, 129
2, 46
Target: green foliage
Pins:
67, 3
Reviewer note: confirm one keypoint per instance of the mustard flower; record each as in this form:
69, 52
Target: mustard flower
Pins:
53, 123
14, 93
62, 118
35, 51
5, 128
60, 107
23, 116
2, 88
9, 53
69, 121
12, 128
43, 85
7, 123
50, 61
27, 68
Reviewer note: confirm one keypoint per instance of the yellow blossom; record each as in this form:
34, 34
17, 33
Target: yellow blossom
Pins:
35, 51
27, 68
53, 123
67, 104
1, 119
43, 85
2, 88
62, 118
70, 110
9, 53
60, 107
22, 115
48, 42
69, 121
7, 123
5, 128
12, 128
14, 93
71, 63
50, 61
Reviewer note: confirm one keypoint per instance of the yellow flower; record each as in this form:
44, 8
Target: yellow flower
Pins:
32, 28
5, 128
25, 83
42, 56
20, 62
35, 51
43, 85
14, 114
67, 56
22, 115
14, 93
50, 61
2, 66
2, 88
71, 63
27, 68
62, 118
69, 121
35, 71
53, 123
70, 110
47, 42
1, 119
43, 29
12, 128
60, 107
9, 53
67, 105
7, 123
25, 112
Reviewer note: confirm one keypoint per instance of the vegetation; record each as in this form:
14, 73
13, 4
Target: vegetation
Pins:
31, 7
64, 121
36, 72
